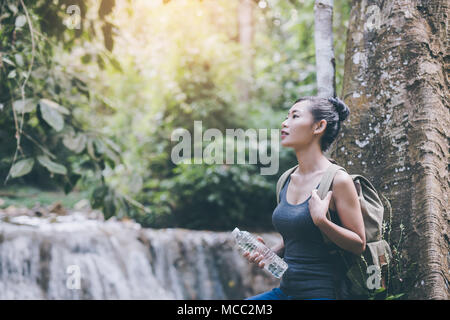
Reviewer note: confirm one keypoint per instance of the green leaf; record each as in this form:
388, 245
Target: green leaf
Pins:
39, 73
22, 167
51, 114
90, 149
13, 8
8, 61
21, 21
52, 166
99, 146
112, 156
121, 207
19, 59
71, 182
56, 106
12, 74
109, 149
115, 63
394, 297
109, 208
98, 197
380, 290
26, 105
113, 145
108, 36
106, 6
73, 142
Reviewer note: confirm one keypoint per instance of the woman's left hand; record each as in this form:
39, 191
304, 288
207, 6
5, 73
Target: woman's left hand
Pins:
318, 208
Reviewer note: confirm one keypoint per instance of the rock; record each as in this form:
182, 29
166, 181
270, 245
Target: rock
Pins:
57, 208
13, 211
38, 210
83, 204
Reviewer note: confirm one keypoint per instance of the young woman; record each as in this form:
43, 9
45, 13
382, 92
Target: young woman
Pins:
311, 126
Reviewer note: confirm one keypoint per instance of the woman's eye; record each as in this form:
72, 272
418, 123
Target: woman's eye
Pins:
295, 116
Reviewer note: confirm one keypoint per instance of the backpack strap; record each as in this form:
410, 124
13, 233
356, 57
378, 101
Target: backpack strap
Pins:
325, 186
283, 179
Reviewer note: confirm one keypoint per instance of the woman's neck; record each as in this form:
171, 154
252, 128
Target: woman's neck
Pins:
311, 160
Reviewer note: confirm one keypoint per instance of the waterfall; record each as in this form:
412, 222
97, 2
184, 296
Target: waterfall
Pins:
76, 257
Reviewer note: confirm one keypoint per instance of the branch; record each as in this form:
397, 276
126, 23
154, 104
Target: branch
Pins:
22, 91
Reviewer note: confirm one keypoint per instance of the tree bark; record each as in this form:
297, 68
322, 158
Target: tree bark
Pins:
396, 85
323, 37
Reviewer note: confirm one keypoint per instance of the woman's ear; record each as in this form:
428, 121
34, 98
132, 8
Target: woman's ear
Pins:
320, 126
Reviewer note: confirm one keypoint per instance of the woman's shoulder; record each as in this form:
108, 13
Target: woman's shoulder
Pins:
341, 187
342, 178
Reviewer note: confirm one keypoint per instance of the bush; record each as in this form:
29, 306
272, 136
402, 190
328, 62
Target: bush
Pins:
215, 197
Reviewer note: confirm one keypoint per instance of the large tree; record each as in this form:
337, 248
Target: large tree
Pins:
323, 39
396, 85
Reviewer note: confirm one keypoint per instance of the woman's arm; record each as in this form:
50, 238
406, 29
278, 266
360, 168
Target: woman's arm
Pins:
351, 236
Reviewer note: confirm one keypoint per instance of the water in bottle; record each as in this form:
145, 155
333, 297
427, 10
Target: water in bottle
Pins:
248, 243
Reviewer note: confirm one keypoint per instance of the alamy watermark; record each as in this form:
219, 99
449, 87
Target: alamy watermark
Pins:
73, 281
73, 20
214, 152
374, 280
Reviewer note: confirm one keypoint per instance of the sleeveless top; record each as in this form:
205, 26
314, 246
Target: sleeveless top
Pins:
312, 271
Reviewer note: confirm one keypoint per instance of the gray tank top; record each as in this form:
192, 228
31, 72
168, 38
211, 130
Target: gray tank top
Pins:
312, 271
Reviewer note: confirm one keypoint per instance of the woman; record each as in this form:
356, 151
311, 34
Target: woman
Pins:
311, 126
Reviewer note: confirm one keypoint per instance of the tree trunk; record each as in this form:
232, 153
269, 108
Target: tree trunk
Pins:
323, 37
245, 18
396, 86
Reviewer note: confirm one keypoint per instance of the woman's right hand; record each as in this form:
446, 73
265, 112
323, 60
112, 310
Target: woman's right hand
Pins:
255, 257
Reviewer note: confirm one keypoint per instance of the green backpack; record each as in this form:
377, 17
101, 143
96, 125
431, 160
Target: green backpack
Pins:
378, 253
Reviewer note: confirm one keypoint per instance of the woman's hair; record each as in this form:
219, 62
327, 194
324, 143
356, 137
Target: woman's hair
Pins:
333, 110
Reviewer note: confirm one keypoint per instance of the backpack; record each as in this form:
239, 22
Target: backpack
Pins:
363, 278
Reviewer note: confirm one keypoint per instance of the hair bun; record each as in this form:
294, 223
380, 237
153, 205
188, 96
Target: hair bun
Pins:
341, 108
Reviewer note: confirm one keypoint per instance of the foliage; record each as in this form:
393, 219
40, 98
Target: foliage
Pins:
33, 197
285, 62
399, 275
101, 102
41, 99
186, 70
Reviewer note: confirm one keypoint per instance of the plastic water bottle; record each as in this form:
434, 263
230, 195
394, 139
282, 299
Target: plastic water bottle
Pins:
248, 243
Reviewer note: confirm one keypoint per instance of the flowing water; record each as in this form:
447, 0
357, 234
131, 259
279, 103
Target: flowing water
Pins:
76, 257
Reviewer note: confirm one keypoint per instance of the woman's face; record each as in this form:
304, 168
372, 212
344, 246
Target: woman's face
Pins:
297, 130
